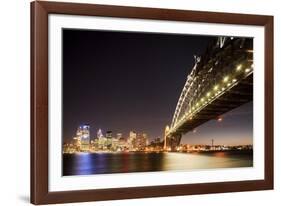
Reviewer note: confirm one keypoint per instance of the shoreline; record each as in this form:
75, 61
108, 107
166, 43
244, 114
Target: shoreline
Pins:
147, 152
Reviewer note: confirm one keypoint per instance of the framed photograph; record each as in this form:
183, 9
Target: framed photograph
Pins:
133, 102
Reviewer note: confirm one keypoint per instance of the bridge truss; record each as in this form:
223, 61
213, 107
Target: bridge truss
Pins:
220, 80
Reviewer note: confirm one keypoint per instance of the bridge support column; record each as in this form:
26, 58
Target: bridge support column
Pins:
166, 137
173, 141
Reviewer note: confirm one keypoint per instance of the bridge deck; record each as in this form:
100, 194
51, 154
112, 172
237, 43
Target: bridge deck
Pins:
235, 97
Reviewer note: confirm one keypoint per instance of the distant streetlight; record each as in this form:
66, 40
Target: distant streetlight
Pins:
219, 119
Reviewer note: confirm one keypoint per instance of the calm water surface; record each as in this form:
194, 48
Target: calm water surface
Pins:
102, 163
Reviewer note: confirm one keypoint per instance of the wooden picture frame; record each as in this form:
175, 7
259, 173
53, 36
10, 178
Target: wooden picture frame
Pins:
40, 193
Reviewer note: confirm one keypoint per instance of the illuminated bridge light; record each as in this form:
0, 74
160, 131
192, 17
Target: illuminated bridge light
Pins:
239, 67
202, 99
223, 89
225, 79
234, 80
228, 84
197, 104
208, 94
247, 70
216, 87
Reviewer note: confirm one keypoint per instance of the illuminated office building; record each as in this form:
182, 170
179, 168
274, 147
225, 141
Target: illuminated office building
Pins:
132, 140
99, 134
108, 134
141, 141
83, 134
119, 135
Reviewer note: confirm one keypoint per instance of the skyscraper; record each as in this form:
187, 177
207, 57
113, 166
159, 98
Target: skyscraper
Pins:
132, 140
83, 133
141, 141
108, 134
119, 135
99, 134
109, 138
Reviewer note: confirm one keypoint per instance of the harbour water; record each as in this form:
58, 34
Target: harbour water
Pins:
105, 163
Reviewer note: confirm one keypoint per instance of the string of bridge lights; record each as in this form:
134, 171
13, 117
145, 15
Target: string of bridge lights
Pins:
227, 83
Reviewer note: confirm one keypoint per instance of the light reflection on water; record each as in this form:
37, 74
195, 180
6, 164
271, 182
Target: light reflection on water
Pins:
103, 163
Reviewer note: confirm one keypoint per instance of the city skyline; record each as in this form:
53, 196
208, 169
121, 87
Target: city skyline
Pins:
140, 93
136, 142
201, 134
201, 131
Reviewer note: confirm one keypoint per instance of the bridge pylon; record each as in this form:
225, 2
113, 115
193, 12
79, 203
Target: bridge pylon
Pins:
167, 128
171, 141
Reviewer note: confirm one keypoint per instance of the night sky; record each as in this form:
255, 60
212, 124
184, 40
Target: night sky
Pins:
122, 81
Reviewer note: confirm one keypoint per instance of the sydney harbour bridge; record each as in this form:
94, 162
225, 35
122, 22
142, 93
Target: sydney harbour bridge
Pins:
220, 80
